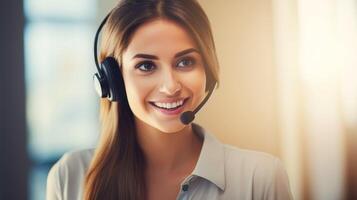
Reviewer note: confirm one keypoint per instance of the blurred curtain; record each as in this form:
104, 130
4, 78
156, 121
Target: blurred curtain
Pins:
316, 46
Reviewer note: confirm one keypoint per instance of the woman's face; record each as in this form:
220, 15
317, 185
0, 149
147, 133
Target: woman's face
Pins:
162, 68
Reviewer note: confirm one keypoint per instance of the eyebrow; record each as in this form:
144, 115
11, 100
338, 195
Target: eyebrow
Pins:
181, 53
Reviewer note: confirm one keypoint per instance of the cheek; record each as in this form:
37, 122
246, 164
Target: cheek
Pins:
136, 90
196, 82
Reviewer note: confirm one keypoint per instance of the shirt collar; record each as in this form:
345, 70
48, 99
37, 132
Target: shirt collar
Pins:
210, 164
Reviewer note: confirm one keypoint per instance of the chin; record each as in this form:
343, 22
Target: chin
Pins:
171, 127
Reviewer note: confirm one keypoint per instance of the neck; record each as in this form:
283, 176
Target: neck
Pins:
168, 152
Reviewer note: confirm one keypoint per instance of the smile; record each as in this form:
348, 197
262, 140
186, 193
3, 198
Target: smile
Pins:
170, 108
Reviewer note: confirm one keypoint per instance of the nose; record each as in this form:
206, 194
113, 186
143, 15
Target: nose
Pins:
170, 85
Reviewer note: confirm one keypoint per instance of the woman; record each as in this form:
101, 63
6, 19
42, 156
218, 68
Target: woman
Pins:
166, 64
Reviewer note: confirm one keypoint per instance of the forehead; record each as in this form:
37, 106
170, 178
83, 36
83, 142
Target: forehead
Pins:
159, 37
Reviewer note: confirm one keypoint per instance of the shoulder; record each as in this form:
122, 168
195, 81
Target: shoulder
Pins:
68, 173
261, 173
249, 159
73, 161
79, 158
251, 165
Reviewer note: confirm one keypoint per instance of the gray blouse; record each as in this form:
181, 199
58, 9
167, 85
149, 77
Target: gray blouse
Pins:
221, 172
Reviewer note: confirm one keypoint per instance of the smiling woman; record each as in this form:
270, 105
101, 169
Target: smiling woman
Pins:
155, 83
158, 58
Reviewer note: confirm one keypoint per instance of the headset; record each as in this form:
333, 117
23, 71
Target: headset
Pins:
109, 83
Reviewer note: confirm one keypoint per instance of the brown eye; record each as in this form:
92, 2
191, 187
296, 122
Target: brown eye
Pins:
145, 66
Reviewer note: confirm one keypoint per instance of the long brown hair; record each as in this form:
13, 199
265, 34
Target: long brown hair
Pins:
117, 168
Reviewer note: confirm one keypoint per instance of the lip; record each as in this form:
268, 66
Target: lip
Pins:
171, 112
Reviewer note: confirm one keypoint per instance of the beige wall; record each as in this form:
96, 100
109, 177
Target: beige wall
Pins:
242, 111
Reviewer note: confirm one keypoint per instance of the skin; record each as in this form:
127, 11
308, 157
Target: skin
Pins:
171, 148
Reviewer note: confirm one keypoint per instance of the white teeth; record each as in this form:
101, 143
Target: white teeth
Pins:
169, 105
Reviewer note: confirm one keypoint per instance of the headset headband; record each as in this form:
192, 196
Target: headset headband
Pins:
96, 41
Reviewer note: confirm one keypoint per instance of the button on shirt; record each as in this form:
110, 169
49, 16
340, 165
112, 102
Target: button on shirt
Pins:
222, 172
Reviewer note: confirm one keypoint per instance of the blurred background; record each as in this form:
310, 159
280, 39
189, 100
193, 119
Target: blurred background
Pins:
288, 88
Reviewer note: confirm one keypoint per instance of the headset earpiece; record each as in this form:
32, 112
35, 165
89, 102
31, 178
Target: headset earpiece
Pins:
100, 85
109, 82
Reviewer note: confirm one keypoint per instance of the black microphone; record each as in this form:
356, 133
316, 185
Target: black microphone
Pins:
188, 116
